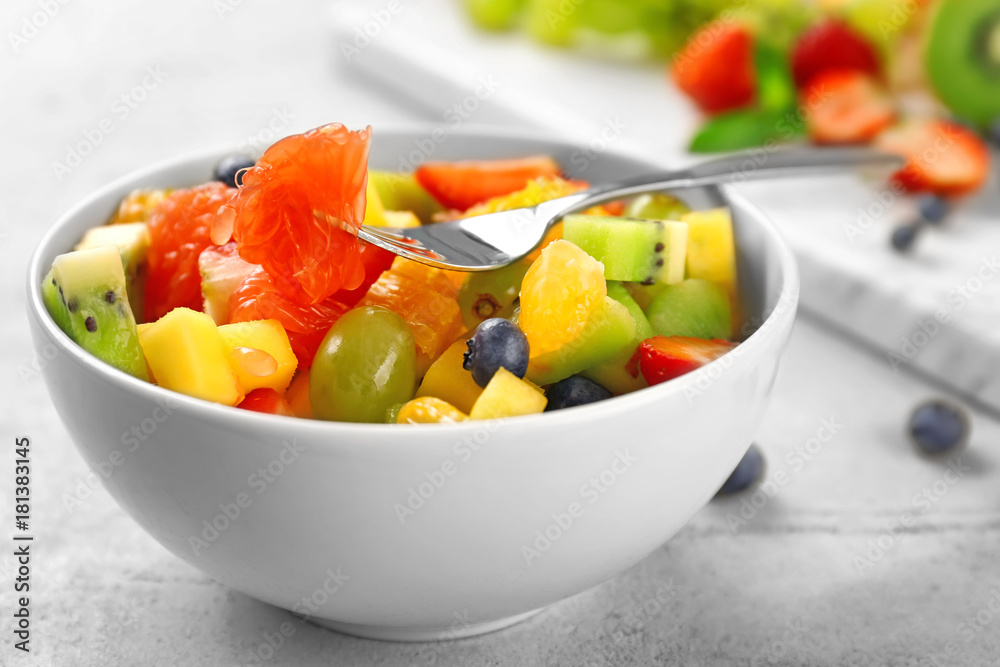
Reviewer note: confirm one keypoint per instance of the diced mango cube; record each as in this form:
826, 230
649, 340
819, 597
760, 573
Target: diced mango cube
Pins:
401, 219
374, 210
265, 335
186, 354
447, 380
507, 395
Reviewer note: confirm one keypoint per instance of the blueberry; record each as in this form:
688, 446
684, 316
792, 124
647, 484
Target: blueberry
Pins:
904, 236
746, 473
228, 171
574, 390
496, 342
938, 426
932, 208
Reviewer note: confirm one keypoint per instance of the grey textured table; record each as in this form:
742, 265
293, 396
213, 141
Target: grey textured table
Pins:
856, 551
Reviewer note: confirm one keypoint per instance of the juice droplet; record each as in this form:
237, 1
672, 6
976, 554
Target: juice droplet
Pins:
222, 225
255, 362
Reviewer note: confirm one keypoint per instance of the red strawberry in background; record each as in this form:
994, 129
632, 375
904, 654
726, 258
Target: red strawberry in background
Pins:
460, 185
832, 44
945, 158
715, 68
846, 107
663, 358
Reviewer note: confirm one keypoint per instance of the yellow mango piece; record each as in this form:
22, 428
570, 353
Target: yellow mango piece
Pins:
186, 354
374, 210
400, 219
447, 380
268, 336
298, 395
507, 395
429, 410
711, 251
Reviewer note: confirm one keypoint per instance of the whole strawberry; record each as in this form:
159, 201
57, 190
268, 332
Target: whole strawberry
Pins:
832, 44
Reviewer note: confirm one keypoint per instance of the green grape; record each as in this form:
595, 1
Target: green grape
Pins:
777, 22
612, 16
656, 206
645, 294
365, 365
882, 22
393, 413
491, 293
494, 14
552, 21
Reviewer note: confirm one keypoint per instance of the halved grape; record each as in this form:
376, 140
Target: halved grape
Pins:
365, 365
656, 206
491, 293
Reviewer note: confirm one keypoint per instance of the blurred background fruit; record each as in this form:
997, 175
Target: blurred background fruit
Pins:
754, 68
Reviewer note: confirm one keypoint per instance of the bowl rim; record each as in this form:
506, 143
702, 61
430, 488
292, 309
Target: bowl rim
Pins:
210, 411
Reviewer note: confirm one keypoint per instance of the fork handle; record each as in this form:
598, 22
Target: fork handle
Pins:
737, 169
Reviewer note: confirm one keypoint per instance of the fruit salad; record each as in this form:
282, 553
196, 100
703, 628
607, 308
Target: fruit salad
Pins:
253, 290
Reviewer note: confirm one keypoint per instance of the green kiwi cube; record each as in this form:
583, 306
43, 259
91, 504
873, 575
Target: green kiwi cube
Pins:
631, 249
401, 192
616, 374
608, 332
695, 308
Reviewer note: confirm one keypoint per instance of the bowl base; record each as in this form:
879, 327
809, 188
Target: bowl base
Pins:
395, 634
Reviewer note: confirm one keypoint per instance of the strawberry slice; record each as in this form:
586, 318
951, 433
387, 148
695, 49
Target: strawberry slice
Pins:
846, 107
459, 185
663, 358
266, 400
832, 44
715, 67
942, 157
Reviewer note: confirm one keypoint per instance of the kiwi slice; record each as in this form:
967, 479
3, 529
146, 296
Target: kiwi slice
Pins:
132, 241
962, 58
631, 249
86, 296
615, 374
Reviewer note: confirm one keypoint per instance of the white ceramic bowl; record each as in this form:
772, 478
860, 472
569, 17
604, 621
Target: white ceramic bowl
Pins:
422, 532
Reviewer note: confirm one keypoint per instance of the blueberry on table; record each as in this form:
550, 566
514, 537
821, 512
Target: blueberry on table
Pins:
903, 237
746, 473
228, 170
574, 390
938, 426
496, 342
933, 209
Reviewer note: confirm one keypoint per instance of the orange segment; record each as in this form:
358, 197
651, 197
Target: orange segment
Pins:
425, 298
559, 292
430, 410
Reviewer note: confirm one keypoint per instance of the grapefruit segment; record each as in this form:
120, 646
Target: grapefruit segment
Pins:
298, 211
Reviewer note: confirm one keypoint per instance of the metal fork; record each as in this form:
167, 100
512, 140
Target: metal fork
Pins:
494, 240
